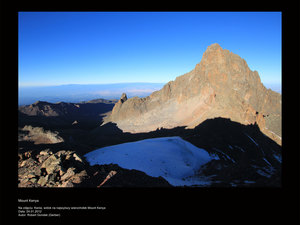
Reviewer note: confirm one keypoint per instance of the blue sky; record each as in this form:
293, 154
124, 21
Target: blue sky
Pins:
112, 47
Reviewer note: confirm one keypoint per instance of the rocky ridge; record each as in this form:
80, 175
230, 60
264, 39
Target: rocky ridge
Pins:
65, 115
221, 85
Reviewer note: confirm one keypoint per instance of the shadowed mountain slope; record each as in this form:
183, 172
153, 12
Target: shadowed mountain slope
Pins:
243, 156
246, 156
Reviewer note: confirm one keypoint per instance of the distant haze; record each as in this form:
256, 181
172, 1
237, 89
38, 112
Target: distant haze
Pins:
84, 92
274, 86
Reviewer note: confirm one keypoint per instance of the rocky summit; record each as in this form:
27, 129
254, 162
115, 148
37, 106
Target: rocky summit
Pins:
221, 85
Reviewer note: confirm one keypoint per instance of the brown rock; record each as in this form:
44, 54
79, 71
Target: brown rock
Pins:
23, 163
37, 171
43, 180
66, 184
70, 172
31, 175
40, 136
52, 164
42, 158
61, 153
46, 152
28, 183
77, 158
33, 180
51, 170
79, 177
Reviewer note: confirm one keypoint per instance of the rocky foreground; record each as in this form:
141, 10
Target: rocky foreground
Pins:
46, 169
66, 169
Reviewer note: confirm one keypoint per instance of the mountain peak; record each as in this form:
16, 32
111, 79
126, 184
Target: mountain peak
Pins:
221, 85
214, 46
39, 103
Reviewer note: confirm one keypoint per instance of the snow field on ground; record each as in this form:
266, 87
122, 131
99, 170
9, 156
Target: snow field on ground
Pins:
172, 158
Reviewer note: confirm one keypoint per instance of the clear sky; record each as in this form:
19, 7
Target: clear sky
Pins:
112, 47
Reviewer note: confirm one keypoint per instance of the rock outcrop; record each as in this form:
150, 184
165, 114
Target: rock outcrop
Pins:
39, 135
47, 169
221, 85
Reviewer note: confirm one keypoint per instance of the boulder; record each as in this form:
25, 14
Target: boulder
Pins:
62, 169
68, 184
70, 172
52, 164
42, 158
43, 180
79, 177
46, 152
77, 158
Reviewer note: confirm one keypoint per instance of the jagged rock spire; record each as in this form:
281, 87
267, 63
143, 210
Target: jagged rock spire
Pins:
123, 97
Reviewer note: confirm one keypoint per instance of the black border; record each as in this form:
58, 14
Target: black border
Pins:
233, 205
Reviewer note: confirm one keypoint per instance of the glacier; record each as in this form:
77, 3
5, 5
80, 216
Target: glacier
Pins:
172, 158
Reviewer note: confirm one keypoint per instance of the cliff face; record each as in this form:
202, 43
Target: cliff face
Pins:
221, 85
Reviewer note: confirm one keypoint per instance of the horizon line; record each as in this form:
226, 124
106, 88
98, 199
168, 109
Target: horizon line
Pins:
55, 85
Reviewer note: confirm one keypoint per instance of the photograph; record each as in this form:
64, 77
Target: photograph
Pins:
149, 99
132, 114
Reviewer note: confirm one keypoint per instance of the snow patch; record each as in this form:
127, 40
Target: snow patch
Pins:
214, 156
262, 173
249, 182
267, 161
251, 139
172, 158
239, 148
225, 155
278, 158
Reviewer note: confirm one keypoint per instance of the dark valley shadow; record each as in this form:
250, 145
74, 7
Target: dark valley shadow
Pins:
244, 156
63, 115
